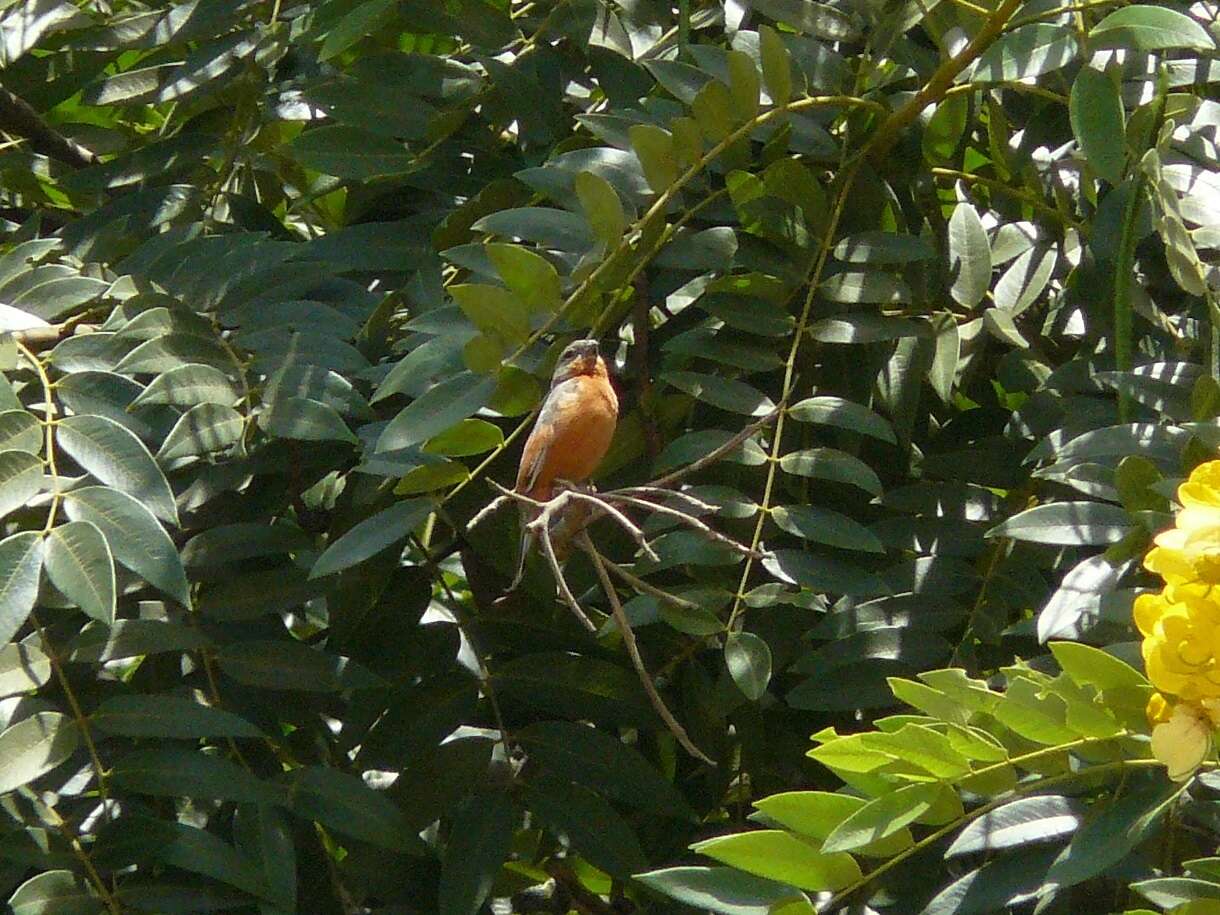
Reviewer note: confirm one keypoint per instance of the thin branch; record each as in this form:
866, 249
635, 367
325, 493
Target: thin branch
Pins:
626, 523
21, 120
657, 492
640, 585
691, 521
549, 550
716, 453
633, 651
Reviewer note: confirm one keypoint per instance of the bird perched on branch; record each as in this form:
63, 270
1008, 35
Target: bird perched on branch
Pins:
572, 435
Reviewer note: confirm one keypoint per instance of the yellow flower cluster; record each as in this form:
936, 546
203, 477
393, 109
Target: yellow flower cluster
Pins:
1181, 626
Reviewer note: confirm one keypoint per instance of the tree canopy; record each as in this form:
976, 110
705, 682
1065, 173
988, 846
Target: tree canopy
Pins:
933, 283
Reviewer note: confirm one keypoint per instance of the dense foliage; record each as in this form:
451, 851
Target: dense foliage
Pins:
283, 282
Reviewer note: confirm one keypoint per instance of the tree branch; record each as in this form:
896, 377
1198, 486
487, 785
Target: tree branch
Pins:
20, 120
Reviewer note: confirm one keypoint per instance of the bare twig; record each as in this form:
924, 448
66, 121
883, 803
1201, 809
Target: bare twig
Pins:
657, 492
549, 550
691, 521
716, 453
20, 120
644, 587
627, 524
633, 651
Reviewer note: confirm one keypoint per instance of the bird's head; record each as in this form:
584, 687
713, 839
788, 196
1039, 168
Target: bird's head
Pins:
580, 357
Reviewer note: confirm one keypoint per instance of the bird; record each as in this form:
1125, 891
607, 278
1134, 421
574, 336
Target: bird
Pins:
573, 432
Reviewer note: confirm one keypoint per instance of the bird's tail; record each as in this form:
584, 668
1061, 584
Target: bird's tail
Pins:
525, 515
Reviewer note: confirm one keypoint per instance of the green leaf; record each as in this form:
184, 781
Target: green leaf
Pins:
1091, 666
138, 839
1171, 892
203, 429
494, 310
589, 824
21, 558
135, 537
817, 814
748, 658
866, 328
884, 816
365, 19
350, 152
709, 249
1110, 835
1151, 28
969, 256
604, 763
371, 536
779, 855
20, 479
723, 890
344, 803
20, 431
776, 66
883, 248
246, 540
479, 841
171, 351
527, 274
725, 393
469, 437
995, 886
821, 525
568, 685
819, 20
743, 84
34, 746
603, 208
439, 408
55, 892
1024, 281
713, 110
1027, 51
655, 149
287, 664
304, 420
78, 562
1067, 524
119, 459
133, 638
944, 130
174, 717
175, 772
1020, 822
23, 667
834, 465
1099, 123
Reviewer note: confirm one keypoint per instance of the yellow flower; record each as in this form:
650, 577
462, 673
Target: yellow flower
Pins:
1183, 742
1181, 645
1190, 551
1158, 710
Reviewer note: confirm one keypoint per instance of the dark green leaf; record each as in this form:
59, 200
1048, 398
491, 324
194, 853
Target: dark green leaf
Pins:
748, 658
1099, 123
77, 560
291, 665
119, 459
604, 763
176, 717
203, 429
479, 841
173, 772
21, 558
371, 536
35, 746
136, 538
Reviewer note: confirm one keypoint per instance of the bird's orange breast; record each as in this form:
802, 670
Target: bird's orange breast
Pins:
572, 435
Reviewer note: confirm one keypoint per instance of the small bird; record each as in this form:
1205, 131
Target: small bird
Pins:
573, 431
